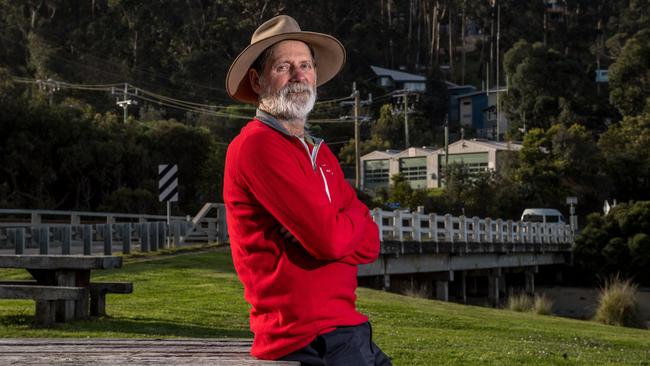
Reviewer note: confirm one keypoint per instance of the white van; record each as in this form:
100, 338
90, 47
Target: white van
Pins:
543, 215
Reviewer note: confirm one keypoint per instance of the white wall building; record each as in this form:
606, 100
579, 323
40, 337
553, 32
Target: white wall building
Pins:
423, 167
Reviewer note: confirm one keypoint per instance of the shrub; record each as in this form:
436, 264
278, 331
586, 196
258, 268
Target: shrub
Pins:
542, 305
521, 302
419, 292
617, 303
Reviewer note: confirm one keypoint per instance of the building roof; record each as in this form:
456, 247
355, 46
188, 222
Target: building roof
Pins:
478, 145
415, 152
472, 94
380, 154
397, 75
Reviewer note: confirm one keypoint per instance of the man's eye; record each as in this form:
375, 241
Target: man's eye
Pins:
282, 68
306, 66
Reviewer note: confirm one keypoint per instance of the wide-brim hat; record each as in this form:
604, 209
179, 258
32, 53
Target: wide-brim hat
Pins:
329, 55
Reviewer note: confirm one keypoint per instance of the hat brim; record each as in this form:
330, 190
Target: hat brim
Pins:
329, 55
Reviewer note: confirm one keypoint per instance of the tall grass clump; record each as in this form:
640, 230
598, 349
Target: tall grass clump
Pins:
617, 303
520, 302
542, 305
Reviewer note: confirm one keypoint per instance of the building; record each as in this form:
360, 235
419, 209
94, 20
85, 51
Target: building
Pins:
424, 167
455, 91
399, 80
477, 110
375, 169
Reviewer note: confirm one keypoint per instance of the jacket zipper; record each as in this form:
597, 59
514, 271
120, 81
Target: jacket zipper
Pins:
312, 157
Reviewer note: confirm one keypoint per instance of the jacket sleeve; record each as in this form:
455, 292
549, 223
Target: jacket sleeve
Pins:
278, 180
368, 248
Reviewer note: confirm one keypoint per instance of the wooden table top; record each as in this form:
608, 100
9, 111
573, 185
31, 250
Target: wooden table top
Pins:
104, 352
60, 261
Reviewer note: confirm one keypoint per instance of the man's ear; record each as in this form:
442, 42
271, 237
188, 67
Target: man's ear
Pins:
254, 79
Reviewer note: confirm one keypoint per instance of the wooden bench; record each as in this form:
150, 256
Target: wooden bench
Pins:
46, 298
110, 352
98, 291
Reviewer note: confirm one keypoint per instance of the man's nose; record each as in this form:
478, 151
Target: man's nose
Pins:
297, 74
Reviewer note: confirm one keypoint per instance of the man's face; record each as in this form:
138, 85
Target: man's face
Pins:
287, 86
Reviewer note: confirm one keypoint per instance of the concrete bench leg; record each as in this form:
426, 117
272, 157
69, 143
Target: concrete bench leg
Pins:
81, 307
45, 312
97, 303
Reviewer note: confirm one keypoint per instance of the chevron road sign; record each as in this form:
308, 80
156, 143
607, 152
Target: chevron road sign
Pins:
168, 183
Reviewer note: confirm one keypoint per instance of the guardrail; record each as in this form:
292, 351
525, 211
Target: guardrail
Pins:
403, 225
82, 232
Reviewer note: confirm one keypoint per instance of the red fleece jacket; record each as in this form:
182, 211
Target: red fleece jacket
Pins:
297, 291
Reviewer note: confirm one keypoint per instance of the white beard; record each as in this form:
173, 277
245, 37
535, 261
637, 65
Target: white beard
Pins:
291, 103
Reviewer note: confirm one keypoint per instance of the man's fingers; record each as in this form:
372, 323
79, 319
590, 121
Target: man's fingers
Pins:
284, 232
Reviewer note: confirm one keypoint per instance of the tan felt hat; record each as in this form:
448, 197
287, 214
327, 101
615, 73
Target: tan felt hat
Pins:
329, 55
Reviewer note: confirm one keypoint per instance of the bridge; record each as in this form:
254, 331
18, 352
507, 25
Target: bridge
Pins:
441, 256
438, 253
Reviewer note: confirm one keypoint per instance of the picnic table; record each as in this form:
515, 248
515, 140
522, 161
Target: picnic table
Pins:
105, 352
61, 286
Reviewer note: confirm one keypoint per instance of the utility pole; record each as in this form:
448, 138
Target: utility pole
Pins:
50, 87
125, 103
357, 154
404, 93
498, 65
406, 121
356, 104
446, 143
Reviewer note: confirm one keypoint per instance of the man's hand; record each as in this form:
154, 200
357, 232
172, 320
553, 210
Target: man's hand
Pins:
287, 235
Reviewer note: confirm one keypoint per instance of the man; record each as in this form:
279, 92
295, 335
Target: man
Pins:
297, 230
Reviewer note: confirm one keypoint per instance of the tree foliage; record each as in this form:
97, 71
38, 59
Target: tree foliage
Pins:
626, 152
629, 76
54, 157
543, 83
616, 243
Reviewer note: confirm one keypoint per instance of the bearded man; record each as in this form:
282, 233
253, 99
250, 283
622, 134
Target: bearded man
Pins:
297, 230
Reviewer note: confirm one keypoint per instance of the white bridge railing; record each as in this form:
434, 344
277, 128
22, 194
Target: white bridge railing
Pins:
70, 232
400, 225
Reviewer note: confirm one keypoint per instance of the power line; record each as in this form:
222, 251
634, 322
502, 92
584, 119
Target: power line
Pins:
132, 91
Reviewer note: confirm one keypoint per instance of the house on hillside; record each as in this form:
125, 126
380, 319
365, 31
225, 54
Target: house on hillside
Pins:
424, 167
399, 80
477, 110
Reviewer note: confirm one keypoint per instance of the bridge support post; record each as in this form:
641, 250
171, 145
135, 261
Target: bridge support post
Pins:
442, 284
529, 274
386, 281
442, 290
461, 287
494, 280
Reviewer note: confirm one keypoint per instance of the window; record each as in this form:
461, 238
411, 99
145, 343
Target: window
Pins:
415, 171
473, 162
375, 173
415, 86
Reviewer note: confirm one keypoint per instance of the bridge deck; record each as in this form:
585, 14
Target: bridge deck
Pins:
446, 247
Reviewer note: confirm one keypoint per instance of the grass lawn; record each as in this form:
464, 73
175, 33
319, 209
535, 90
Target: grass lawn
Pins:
199, 295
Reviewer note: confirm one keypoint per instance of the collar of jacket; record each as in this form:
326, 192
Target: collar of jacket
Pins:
273, 122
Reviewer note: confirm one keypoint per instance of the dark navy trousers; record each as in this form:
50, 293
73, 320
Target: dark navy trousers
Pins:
345, 346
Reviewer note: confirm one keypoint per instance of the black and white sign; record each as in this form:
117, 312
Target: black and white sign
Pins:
168, 183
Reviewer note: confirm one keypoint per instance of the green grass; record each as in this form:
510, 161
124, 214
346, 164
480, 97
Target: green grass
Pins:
199, 295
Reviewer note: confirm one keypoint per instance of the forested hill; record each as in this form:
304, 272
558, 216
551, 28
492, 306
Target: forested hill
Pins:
64, 143
182, 48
